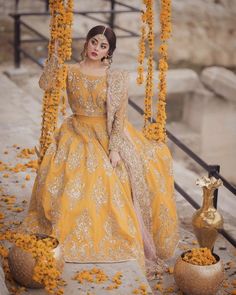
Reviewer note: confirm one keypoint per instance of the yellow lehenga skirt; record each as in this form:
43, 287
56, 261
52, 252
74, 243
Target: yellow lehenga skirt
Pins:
87, 204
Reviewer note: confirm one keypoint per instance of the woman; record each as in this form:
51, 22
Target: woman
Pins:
103, 189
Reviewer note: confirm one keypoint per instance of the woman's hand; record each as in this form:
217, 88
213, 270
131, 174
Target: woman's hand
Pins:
114, 158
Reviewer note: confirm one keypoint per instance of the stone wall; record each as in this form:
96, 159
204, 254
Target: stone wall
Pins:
204, 33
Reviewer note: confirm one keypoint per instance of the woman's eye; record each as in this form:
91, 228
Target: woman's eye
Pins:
103, 46
93, 42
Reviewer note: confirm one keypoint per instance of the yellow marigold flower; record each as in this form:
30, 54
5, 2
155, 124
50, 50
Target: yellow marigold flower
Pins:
143, 287
158, 287
233, 283
199, 256
27, 177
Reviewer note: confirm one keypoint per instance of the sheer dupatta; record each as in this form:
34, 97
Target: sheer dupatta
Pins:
117, 99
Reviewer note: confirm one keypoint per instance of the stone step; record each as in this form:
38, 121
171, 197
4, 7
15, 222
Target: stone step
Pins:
20, 114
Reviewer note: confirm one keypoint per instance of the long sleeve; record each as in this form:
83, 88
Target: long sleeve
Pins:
47, 80
117, 131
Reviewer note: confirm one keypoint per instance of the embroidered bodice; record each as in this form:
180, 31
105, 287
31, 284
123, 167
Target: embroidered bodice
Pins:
94, 96
86, 93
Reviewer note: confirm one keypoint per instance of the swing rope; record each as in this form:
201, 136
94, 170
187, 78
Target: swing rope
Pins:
155, 131
59, 51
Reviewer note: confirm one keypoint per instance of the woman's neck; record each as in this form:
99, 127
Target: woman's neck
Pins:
91, 64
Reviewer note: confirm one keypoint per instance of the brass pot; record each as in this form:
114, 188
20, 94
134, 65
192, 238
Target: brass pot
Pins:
22, 263
207, 220
198, 279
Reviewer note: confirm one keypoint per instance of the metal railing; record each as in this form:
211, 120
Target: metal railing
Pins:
213, 170
19, 24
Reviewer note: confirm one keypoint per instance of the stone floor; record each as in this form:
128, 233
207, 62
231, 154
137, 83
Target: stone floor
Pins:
20, 128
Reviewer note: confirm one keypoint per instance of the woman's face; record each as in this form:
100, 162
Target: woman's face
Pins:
97, 47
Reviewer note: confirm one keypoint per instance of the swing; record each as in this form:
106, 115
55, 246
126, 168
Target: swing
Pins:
60, 42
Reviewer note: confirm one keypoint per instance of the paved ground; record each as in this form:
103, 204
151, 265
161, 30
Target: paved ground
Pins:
19, 128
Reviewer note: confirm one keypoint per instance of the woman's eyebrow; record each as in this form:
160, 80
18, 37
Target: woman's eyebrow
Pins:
103, 43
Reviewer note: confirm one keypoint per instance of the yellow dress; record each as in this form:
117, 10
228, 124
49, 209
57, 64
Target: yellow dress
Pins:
85, 202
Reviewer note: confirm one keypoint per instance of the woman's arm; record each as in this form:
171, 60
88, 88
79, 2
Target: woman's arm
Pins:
117, 131
47, 80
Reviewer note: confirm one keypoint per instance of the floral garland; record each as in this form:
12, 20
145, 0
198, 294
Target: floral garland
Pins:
60, 44
148, 21
166, 29
156, 131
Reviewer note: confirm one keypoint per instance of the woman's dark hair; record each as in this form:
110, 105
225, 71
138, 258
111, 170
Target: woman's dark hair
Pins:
108, 33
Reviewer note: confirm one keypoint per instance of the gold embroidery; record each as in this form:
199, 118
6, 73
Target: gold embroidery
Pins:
55, 187
122, 173
161, 181
74, 190
167, 236
86, 96
168, 165
86, 160
48, 78
79, 243
107, 165
101, 133
117, 106
51, 149
91, 162
74, 158
99, 194
117, 245
131, 228
117, 197
62, 153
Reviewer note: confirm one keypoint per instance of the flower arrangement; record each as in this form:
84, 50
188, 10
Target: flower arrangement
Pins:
60, 42
46, 271
156, 131
200, 256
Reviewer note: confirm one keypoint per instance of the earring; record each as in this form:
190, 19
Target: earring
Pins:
83, 54
107, 60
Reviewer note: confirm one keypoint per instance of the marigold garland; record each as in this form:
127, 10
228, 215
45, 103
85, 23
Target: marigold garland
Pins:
165, 21
148, 21
60, 44
156, 131
142, 50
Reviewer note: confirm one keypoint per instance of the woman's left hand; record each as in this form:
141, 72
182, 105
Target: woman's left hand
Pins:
114, 158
